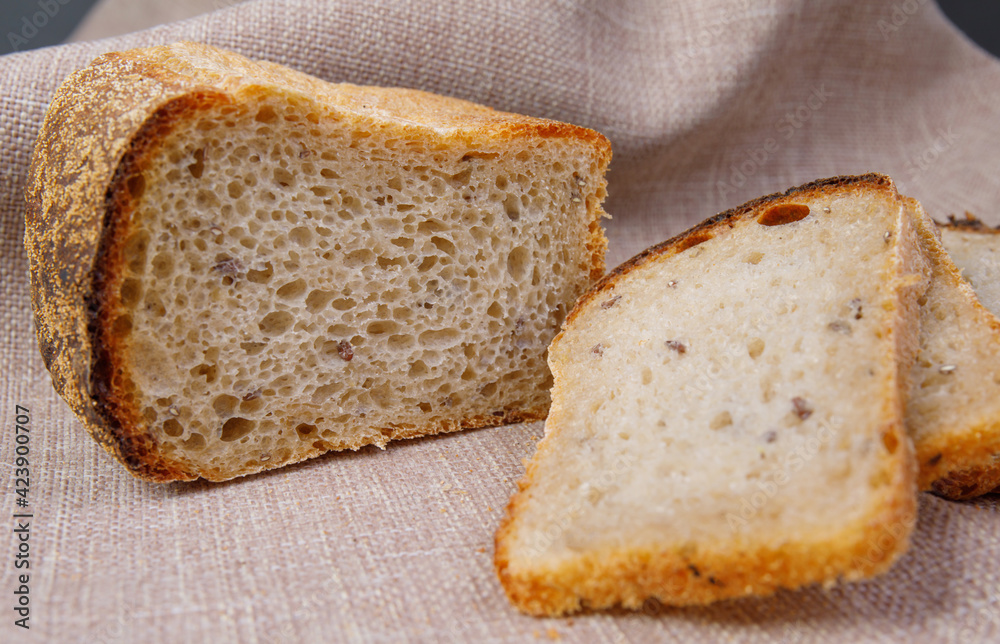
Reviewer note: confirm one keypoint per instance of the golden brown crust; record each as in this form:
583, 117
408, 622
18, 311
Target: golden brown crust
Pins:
608, 578
104, 121
88, 128
963, 466
705, 230
627, 577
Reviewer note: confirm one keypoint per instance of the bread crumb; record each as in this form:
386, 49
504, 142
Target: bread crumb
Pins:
552, 633
598, 350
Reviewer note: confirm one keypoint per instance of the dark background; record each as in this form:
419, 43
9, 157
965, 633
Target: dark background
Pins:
977, 18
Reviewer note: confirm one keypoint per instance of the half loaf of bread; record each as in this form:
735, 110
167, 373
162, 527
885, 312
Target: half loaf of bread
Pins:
235, 266
727, 413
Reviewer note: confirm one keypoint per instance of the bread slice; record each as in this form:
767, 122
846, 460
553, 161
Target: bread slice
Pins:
727, 413
974, 247
954, 411
237, 266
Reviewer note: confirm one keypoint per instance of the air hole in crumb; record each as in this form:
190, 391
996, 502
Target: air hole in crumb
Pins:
304, 430
283, 177
692, 240
276, 322
723, 419
754, 257
261, 276
783, 214
236, 428
266, 114
444, 245
512, 207
317, 300
209, 371
198, 167
382, 327
253, 348
194, 442
163, 266
755, 347
224, 405
301, 236
324, 392
517, 262
171, 427
292, 290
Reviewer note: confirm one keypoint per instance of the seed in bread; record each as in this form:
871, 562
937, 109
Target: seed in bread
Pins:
769, 453
236, 266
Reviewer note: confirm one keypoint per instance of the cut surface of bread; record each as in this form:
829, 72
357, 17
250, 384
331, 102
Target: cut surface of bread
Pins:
974, 247
727, 413
954, 411
236, 266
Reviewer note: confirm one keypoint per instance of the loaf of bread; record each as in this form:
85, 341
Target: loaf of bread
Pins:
954, 410
235, 266
727, 412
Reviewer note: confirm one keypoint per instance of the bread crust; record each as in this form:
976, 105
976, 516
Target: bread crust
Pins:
627, 577
103, 124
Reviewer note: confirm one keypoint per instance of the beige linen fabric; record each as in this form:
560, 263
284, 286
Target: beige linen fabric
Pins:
707, 104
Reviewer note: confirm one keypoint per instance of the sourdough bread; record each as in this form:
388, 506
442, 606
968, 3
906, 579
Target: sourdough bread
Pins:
236, 266
954, 411
727, 413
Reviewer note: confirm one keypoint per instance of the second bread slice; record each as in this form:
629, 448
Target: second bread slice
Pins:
954, 410
727, 412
